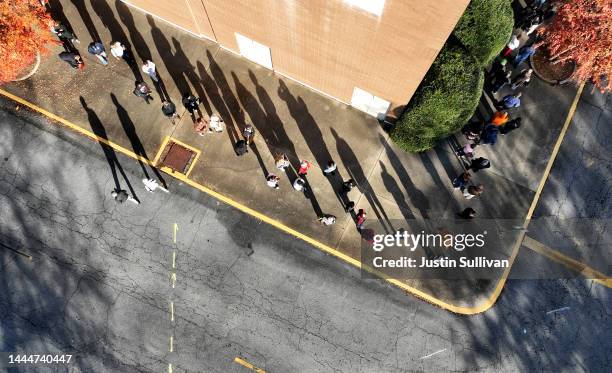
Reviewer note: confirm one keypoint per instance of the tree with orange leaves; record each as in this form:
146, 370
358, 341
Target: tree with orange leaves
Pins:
24, 35
582, 31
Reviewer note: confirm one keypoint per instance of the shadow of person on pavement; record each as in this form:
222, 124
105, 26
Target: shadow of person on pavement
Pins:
353, 167
310, 131
417, 198
89, 25
393, 187
130, 131
235, 126
111, 157
268, 124
106, 15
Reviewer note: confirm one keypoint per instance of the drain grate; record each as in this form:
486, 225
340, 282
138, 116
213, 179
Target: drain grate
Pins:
177, 157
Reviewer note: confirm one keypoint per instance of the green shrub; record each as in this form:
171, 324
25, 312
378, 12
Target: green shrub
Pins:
445, 100
485, 28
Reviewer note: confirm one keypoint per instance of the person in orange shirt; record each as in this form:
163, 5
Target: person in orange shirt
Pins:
500, 118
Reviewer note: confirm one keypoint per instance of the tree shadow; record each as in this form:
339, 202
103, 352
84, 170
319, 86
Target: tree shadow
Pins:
98, 128
130, 131
353, 167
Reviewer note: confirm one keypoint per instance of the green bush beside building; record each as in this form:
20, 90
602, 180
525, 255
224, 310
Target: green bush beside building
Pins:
449, 94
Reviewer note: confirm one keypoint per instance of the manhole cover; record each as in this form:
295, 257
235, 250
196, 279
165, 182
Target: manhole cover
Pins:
177, 157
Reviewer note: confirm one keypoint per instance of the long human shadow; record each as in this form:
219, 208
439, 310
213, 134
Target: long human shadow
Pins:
391, 185
126, 17
56, 9
234, 127
130, 131
268, 124
91, 27
417, 198
353, 167
113, 162
310, 131
106, 15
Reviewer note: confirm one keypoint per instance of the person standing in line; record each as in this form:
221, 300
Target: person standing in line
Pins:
498, 67
304, 167
201, 126
473, 191
330, 169
361, 218
169, 110
479, 164
63, 33
348, 185
489, 134
73, 59
468, 213
121, 196
192, 104
522, 79
510, 126
461, 181
216, 123
299, 184
248, 133
350, 207
511, 46
97, 49
119, 51
281, 161
151, 185
327, 219
272, 181
523, 54
511, 101
467, 151
499, 118
141, 89
501, 81
149, 68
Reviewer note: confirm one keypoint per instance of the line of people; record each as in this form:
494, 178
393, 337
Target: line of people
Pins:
501, 75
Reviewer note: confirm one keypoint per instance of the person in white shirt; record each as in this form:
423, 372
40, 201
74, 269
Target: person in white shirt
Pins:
216, 124
149, 68
299, 184
272, 181
330, 169
119, 51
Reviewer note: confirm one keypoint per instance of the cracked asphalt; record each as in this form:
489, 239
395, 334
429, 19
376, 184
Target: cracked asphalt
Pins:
98, 285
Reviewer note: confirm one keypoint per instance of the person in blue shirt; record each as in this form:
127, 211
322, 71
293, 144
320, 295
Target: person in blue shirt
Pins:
523, 54
512, 101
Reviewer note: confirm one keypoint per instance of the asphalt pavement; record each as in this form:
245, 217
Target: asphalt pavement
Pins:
100, 284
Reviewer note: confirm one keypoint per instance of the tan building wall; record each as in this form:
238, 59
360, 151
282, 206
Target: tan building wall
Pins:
327, 44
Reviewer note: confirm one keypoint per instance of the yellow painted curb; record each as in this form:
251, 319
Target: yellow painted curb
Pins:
577, 266
325, 248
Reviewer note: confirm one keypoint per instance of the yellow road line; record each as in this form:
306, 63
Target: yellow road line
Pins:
246, 364
577, 266
169, 368
502, 282
171, 311
174, 259
174, 229
171, 347
325, 248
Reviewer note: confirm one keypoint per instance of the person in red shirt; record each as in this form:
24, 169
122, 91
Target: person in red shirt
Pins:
361, 217
304, 167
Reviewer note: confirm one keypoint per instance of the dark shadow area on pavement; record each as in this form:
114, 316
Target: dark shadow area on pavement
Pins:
130, 131
98, 128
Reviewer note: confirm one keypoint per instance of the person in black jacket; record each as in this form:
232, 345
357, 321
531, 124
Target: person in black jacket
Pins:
479, 164
169, 110
192, 104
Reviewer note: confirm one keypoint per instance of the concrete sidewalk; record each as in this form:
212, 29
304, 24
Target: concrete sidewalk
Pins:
290, 118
